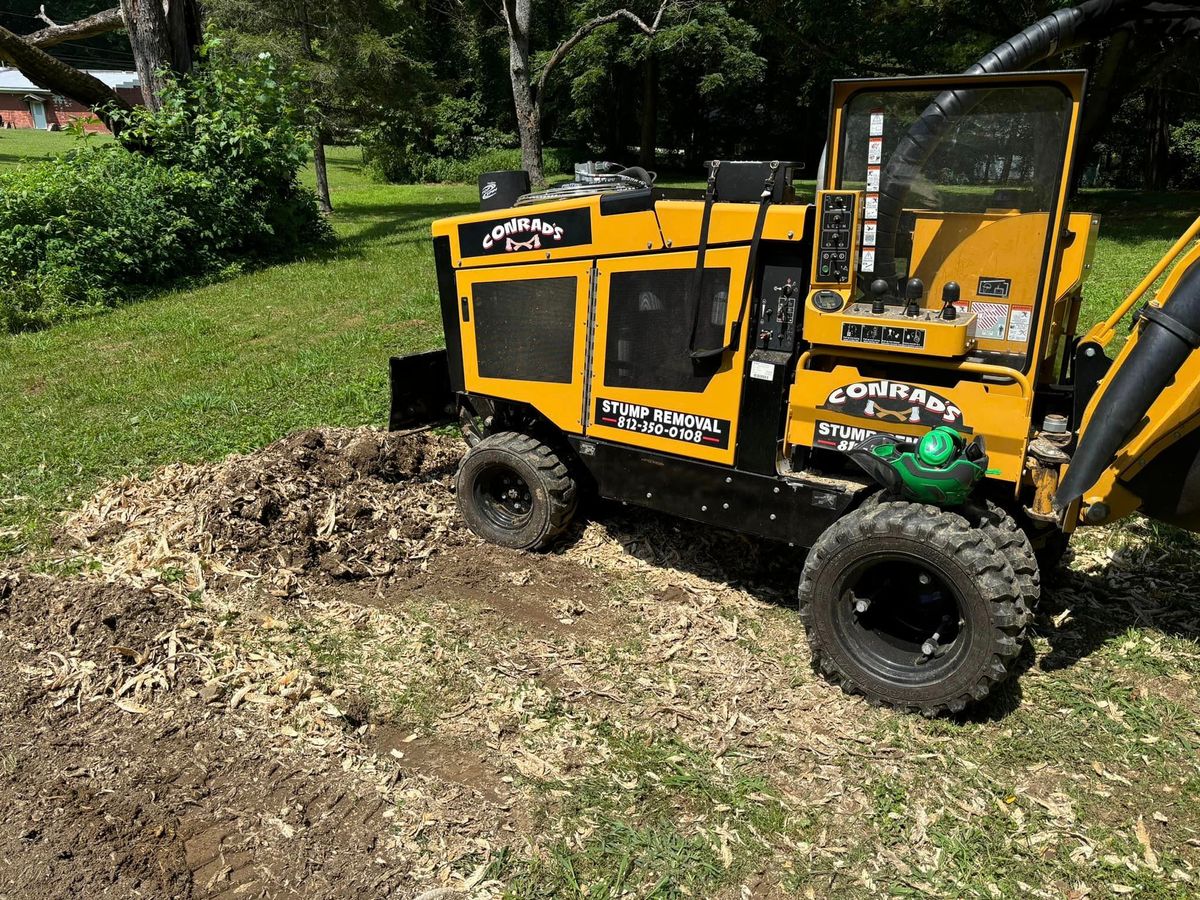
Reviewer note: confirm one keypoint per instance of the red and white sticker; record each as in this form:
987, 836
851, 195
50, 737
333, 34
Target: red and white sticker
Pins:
991, 320
1018, 323
875, 151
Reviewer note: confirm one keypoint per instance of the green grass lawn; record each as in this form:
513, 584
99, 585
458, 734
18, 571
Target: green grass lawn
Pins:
196, 374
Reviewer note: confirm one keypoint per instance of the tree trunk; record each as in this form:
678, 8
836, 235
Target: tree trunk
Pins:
649, 112
528, 106
322, 171
1158, 148
150, 40
319, 137
43, 69
184, 31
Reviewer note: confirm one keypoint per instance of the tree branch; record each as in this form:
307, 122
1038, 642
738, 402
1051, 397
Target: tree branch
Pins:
43, 69
587, 28
100, 23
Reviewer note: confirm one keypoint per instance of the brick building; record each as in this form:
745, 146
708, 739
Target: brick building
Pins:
25, 105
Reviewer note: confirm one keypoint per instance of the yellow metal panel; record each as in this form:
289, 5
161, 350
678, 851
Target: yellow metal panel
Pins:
853, 402
938, 337
562, 404
720, 400
731, 222
635, 232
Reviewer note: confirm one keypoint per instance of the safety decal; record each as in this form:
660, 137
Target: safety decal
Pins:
884, 335
994, 287
991, 320
1018, 323
516, 234
895, 402
665, 423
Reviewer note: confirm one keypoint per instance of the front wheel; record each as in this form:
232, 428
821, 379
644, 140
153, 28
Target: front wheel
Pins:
912, 607
515, 491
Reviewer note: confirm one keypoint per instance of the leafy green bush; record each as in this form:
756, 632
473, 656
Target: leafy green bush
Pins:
207, 183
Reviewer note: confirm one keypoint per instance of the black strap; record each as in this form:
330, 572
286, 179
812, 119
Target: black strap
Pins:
735, 333
710, 196
1159, 316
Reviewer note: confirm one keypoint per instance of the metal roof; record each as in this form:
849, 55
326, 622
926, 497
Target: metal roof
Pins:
12, 81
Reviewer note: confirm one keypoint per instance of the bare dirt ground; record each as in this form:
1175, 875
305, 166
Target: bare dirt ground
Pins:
295, 673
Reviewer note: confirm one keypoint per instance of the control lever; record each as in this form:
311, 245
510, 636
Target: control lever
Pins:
880, 288
914, 291
950, 294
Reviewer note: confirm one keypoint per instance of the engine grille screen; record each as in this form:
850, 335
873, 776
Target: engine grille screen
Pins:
650, 317
525, 330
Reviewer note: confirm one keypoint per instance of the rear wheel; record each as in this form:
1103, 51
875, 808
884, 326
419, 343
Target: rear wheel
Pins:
912, 607
515, 491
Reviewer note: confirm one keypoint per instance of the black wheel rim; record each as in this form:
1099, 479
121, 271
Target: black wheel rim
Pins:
504, 497
901, 620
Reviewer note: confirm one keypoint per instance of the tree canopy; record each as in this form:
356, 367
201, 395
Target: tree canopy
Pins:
667, 84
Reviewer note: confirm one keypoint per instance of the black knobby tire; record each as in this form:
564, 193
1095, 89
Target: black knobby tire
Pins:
918, 568
1014, 543
515, 491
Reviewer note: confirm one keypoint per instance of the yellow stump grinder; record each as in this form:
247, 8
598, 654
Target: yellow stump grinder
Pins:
889, 377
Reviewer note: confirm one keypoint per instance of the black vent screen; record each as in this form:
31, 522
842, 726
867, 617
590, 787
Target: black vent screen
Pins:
525, 330
650, 317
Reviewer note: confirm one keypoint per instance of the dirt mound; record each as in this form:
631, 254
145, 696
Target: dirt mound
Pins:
351, 504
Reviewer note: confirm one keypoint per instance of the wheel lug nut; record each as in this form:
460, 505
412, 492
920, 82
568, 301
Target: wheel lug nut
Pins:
861, 606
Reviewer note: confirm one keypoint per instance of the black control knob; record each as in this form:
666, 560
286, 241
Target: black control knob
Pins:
950, 295
913, 292
880, 289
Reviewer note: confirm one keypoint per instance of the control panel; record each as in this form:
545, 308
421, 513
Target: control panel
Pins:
887, 323
780, 308
834, 253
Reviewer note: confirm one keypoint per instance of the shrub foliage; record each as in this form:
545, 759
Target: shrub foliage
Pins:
206, 183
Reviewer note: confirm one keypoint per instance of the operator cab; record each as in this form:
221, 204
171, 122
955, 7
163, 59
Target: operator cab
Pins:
945, 267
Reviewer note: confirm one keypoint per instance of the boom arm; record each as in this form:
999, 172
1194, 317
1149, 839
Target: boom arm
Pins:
1139, 443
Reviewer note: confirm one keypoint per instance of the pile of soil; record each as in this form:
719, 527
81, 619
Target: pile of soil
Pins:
351, 504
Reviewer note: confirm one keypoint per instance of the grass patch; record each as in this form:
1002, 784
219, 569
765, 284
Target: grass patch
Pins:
657, 819
196, 374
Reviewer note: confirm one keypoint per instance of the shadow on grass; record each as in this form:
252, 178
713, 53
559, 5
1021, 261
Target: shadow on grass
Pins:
391, 223
1103, 605
1133, 217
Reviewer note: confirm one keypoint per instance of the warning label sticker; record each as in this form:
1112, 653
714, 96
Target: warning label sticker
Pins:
1018, 323
875, 151
832, 436
873, 179
991, 320
665, 423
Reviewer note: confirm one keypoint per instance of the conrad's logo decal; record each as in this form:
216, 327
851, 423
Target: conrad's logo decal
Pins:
525, 233
522, 234
895, 402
